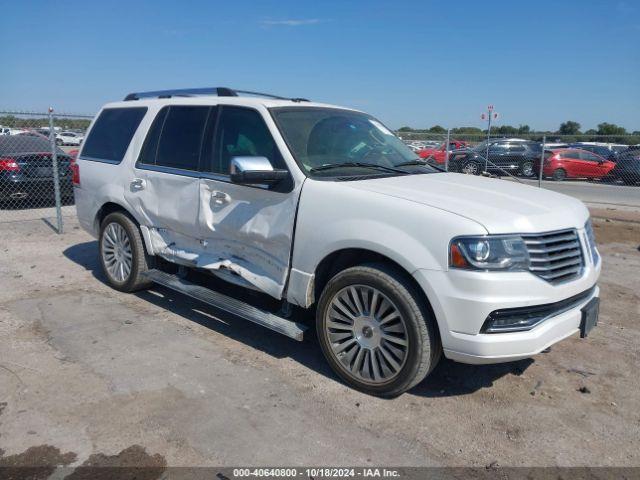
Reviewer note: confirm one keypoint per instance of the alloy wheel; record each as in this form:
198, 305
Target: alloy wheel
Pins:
470, 168
367, 334
527, 169
116, 252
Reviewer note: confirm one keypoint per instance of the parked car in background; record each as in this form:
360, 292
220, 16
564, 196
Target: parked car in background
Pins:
32, 133
438, 153
5, 131
600, 150
26, 170
512, 156
70, 138
561, 164
627, 168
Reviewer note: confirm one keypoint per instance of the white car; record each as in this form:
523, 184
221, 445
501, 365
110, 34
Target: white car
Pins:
69, 138
321, 207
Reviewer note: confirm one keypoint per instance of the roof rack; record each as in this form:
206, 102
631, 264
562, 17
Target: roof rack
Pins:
191, 92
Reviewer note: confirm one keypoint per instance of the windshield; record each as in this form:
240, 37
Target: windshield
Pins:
342, 139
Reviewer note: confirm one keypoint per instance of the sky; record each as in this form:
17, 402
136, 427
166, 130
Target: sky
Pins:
415, 63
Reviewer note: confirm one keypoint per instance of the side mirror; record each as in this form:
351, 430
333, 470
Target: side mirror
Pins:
255, 171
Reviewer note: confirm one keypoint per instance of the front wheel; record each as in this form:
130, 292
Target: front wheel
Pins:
471, 168
376, 331
122, 254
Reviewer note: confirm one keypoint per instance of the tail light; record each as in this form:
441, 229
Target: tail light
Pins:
9, 165
75, 171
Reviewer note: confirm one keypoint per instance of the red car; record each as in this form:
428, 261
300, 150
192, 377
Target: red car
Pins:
439, 153
574, 163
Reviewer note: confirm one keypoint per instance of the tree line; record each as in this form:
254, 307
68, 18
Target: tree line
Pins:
65, 123
570, 128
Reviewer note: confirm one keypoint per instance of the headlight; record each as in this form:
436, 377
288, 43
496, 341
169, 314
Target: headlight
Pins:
498, 252
591, 240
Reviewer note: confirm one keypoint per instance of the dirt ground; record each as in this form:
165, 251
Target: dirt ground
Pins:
90, 376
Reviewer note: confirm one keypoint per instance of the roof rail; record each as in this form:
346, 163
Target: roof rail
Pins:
190, 92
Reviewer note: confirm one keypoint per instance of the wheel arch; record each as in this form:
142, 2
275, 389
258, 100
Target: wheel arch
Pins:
345, 258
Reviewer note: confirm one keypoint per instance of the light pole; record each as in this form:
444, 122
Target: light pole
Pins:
488, 116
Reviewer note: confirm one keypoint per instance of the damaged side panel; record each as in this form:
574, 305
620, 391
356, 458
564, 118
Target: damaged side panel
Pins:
242, 233
248, 231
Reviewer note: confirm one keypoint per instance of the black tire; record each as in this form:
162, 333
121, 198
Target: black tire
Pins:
526, 169
559, 174
423, 349
140, 261
470, 167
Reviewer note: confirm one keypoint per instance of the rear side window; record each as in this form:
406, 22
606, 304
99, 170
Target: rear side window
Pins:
113, 130
181, 137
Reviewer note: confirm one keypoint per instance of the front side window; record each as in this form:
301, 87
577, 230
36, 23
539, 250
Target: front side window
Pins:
326, 137
242, 132
113, 130
588, 156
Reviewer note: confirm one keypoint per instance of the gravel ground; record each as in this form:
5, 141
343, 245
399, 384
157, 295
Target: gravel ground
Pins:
92, 376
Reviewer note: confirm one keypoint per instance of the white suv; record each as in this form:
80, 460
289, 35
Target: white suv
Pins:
321, 207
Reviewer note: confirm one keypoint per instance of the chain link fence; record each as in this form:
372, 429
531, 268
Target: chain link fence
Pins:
578, 161
37, 155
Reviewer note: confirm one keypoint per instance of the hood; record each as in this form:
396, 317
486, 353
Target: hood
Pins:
501, 206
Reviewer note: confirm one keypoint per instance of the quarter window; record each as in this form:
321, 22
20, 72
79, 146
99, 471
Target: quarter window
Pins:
112, 132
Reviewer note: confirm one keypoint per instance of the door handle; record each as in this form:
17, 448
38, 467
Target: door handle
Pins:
138, 184
220, 197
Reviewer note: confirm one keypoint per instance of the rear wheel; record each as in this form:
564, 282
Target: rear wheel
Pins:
122, 254
527, 169
375, 331
559, 174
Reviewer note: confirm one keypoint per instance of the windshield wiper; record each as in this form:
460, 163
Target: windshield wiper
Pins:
421, 162
330, 166
417, 161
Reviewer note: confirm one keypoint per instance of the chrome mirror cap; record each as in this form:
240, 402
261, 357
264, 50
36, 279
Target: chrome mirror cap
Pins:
246, 164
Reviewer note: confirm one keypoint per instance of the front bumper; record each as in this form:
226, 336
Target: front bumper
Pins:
462, 301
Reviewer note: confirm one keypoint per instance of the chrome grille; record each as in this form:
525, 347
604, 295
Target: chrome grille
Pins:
556, 256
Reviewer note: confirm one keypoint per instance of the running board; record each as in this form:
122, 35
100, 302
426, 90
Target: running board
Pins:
228, 304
